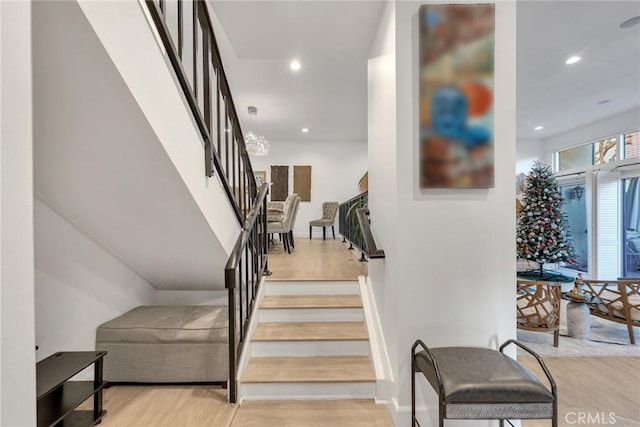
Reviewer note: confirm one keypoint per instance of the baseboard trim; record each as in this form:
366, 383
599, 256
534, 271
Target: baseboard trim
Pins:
401, 415
378, 347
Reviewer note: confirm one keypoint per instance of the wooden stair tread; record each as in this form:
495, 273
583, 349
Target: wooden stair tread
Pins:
321, 369
328, 281
311, 301
311, 331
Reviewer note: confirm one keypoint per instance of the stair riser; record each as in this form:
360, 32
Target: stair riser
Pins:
311, 315
309, 348
312, 288
308, 391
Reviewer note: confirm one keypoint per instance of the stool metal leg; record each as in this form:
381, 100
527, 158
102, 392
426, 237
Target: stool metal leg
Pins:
413, 391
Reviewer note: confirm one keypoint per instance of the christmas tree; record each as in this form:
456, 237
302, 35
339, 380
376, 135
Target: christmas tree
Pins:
542, 234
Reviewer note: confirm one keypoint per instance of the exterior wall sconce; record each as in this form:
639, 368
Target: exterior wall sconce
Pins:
577, 192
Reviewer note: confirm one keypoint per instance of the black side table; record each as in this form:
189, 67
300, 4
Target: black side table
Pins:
58, 398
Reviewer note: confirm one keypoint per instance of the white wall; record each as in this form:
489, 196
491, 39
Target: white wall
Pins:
17, 356
383, 180
191, 297
528, 151
79, 285
336, 168
451, 267
144, 66
137, 185
610, 126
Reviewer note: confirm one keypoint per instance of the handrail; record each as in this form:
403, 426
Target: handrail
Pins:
370, 247
241, 242
247, 264
235, 173
354, 225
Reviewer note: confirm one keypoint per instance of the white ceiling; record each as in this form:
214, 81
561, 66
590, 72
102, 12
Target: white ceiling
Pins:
332, 40
562, 97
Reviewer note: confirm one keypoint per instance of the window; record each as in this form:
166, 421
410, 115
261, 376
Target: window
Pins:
631, 226
575, 208
575, 158
631, 144
600, 185
595, 153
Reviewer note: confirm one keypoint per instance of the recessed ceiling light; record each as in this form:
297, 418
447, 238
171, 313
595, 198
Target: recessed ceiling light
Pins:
295, 65
631, 22
604, 101
572, 60
305, 130
538, 128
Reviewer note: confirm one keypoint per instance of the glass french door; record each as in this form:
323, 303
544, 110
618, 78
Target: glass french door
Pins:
631, 227
576, 213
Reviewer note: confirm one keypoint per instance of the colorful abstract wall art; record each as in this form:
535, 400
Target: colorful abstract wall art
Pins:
456, 44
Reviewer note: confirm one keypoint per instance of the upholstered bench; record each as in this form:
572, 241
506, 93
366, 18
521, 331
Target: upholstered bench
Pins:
480, 383
166, 344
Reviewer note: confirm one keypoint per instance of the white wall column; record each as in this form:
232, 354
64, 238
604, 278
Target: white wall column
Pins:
450, 253
17, 332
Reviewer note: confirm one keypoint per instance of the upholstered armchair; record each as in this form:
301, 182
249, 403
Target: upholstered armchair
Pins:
292, 240
275, 206
538, 307
284, 227
329, 211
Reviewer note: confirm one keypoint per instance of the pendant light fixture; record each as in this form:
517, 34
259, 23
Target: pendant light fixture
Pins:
257, 145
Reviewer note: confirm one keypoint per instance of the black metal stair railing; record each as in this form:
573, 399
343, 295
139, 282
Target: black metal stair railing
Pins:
354, 226
243, 273
188, 38
189, 41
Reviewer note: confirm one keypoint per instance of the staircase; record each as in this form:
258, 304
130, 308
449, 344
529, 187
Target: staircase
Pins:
296, 353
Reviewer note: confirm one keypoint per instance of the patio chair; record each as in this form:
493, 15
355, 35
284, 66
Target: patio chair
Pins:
620, 301
538, 307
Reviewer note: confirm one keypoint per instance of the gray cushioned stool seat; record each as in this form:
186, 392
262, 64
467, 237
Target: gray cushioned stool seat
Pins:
481, 383
166, 344
481, 375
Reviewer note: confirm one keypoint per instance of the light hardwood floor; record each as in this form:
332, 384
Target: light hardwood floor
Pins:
593, 385
316, 259
336, 413
330, 369
166, 406
597, 384
590, 384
